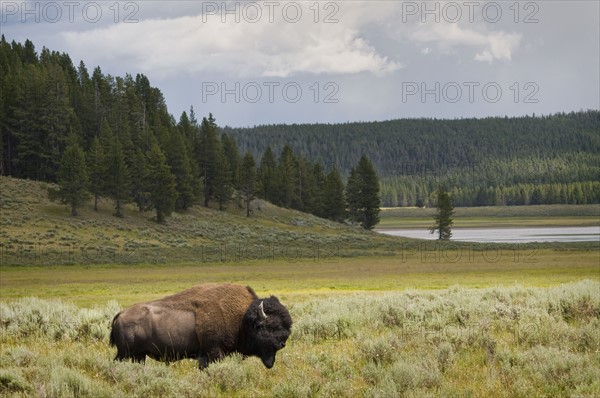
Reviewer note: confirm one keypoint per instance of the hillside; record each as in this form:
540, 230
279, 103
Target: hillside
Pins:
37, 231
490, 161
123, 127
393, 145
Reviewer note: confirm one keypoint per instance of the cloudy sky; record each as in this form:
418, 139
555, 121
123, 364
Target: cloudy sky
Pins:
267, 62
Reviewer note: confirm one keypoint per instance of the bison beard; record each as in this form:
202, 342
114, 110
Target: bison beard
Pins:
205, 322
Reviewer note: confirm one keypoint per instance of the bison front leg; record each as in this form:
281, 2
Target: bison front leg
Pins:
202, 362
210, 357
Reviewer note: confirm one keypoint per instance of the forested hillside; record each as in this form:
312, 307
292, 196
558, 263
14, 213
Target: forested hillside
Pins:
135, 151
490, 161
98, 136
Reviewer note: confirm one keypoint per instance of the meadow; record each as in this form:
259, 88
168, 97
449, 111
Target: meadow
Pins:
412, 266
496, 216
374, 316
458, 342
524, 324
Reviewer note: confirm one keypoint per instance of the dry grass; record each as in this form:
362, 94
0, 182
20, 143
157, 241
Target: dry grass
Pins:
515, 341
500, 322
36, 231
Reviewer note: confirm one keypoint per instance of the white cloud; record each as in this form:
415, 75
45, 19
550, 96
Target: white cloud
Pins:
489, 46
196, 44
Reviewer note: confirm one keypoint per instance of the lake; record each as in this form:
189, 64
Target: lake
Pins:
507, 235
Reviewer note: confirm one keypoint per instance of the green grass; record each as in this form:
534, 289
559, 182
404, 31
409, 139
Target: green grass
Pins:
36, 231
420, 267
501, 341
496, 216
374, 316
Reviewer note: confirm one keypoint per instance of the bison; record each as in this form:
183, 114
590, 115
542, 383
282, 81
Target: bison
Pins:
205, 322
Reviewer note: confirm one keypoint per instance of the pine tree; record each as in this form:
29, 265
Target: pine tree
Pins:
334, 201
267, 176
443, 218
288, 180
117, 176
161, 184
72, 177
83, 104
362, 194
248, 181
41, 120
307, 188
232, 154
321, 191
139, 186
370, 191
189, 132
353, 196
95, 169
222, 183
177, 158
207, 153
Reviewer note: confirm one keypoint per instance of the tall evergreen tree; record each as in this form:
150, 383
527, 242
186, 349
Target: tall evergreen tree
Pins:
223, 184
232, 154
308, 200
95, 168
72, 178
117, 182
321, 191
207, 153
362, 194
353, 196
371, 197
334, 201
178, 160
288, 180
189, 132
443, 218
83, 104
140, 190
267, 176
161, 184
248, 181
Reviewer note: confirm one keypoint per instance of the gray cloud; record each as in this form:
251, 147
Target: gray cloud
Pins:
363, 54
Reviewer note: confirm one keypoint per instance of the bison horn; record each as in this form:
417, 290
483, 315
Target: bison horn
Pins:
261, 311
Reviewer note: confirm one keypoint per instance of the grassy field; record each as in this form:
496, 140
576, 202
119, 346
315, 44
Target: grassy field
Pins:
511, 322
415, 267
34, 230
374, 316
458, 342
496, 216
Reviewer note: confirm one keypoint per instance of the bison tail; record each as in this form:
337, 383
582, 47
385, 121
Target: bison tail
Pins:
113, 331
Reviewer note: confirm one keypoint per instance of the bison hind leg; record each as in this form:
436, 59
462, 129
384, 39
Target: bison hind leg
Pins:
139, 358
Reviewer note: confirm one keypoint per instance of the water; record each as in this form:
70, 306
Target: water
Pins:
508, 235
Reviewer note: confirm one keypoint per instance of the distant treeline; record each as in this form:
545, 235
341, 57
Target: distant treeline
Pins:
99, 135
491, 161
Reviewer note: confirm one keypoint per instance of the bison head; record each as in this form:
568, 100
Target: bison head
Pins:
267, 325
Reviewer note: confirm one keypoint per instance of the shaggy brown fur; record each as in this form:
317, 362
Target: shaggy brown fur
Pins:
204, 322
219, 309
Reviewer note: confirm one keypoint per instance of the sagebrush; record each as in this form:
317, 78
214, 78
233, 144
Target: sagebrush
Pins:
513, 341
